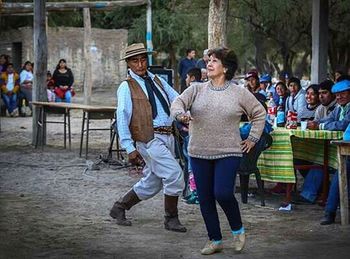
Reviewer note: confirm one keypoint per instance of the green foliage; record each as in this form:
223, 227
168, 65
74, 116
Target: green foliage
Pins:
273, 26
174, 26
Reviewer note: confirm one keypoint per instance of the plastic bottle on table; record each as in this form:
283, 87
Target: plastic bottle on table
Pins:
281, 116
271, 111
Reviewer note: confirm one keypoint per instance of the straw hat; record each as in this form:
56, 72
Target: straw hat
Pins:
134, 50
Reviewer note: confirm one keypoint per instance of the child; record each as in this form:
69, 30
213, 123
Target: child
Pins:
193, 75
51, 97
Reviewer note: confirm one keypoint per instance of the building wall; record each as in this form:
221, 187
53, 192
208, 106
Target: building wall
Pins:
66, 42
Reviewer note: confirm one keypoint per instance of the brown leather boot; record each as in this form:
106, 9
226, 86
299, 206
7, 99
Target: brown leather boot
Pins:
172, 221
124, 203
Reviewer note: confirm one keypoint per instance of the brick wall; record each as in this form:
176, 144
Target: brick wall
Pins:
67, 42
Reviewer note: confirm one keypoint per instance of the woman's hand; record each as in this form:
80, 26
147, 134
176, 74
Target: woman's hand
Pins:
247, 145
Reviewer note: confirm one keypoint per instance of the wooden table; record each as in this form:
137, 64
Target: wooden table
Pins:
54, 108
276, 164
343, 150
90, 112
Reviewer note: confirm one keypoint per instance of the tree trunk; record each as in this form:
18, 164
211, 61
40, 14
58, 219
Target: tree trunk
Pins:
217, 21
286, 56
87, 57
302, 66
40, 65
260, 55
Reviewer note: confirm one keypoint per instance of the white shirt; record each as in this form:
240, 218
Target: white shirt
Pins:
26, 75
10, 83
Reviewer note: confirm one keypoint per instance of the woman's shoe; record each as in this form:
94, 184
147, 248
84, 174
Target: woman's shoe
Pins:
238, 242
211, 247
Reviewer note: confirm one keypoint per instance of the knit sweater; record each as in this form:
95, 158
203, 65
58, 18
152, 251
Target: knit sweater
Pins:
323, 111
216, 112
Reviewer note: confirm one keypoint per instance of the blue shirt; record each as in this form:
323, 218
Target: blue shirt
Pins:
336, 122
124, 109
185, 65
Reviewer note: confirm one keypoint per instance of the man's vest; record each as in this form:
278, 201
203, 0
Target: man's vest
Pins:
141, 124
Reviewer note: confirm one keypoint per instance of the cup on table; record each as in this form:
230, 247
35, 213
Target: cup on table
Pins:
303, 125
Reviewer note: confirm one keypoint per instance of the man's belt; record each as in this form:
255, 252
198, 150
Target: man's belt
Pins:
166, 130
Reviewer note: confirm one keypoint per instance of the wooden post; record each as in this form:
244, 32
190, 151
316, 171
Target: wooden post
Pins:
40, 65
217, 21
319, 41
87, 57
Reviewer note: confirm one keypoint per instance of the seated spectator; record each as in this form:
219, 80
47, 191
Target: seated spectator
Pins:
51, 97
253, 85
312, 102
26, 82
266, 87
64, 79
281, 91
296, 101
339, 71
314, 177
338, 119
327, 100
4, 60
9, 88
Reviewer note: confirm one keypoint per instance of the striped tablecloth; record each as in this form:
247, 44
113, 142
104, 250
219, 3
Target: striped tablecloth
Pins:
276, 163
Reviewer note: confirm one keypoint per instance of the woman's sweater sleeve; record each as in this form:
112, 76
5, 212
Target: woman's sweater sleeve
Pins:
183, 102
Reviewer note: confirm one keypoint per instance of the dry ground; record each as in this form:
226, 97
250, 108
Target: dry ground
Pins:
53, 206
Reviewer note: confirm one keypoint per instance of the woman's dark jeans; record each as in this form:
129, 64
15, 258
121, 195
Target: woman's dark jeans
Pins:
215, 181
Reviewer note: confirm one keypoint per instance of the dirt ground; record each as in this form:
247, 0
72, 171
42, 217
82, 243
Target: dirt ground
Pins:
53, 204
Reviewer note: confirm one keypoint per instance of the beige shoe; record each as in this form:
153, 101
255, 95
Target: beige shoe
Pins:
211, 248
238, 242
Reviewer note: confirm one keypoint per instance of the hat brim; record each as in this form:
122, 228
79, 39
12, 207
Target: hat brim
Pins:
341, 86
136, 53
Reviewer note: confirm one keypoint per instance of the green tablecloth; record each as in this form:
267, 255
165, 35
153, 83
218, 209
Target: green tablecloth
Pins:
276, 163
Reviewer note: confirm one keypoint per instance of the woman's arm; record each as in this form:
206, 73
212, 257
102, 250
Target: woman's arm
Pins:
183, 102
71, 78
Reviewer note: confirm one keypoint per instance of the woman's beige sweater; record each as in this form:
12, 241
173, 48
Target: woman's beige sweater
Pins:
216, 112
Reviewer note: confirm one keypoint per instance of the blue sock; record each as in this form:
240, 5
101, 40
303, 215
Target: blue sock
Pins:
238, 232
217, 242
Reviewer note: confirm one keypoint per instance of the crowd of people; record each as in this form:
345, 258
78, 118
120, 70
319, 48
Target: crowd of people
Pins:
16, 88
211, 103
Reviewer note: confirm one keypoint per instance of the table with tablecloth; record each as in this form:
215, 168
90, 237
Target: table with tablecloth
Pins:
276, 163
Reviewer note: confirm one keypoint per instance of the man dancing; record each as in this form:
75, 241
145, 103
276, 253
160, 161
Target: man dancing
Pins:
144, 119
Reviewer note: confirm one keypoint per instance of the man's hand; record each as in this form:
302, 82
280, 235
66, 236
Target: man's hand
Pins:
313, 125
247, 145
136, 159
184, 118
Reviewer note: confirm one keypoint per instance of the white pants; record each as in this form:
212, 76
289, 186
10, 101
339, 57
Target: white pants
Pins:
161, 170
